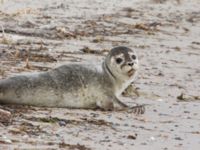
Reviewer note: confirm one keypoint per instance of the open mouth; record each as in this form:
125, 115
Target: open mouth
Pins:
131, 72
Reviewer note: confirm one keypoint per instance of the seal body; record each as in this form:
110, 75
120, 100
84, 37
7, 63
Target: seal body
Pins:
72, 86
75, 85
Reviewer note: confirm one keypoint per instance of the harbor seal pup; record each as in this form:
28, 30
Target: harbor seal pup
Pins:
76, 85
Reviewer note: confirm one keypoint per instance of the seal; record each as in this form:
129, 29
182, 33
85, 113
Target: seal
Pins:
76, 85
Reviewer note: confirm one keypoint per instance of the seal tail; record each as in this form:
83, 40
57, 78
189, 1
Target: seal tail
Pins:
1, 92
3, 87
8, 88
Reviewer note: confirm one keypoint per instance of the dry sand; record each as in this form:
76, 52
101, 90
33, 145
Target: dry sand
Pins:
41, 34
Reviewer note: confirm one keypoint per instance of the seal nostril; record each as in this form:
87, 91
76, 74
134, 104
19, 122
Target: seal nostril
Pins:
131, 64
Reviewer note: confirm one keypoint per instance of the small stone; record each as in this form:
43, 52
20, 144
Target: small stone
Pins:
132, 137
187, 112
126, 125
62, 123
160, 100
160, 74
143, 143
152, 138
178, 138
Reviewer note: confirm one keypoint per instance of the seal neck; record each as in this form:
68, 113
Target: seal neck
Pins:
118, 85
108, 71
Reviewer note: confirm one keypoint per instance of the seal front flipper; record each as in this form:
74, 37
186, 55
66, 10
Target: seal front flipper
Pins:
139, 109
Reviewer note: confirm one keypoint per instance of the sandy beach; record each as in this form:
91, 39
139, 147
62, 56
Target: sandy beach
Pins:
37, 35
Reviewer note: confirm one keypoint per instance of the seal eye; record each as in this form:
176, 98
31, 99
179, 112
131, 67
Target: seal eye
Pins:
133, 57
118, 60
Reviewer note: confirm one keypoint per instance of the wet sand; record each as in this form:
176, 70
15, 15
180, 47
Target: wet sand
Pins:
40, 35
